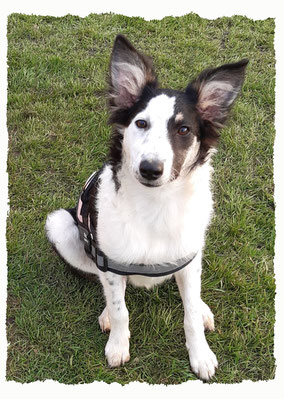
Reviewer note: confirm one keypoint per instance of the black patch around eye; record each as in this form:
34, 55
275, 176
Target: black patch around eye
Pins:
183, 130
183, 127
180, 143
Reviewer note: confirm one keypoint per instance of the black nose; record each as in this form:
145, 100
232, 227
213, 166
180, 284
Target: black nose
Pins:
151, 170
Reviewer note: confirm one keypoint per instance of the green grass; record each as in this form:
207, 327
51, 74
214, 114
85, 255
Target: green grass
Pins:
58, 133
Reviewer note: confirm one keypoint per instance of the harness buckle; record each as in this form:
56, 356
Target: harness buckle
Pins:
101, 260
85, 237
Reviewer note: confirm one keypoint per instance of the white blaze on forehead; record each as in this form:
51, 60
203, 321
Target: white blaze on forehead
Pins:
159, 109
156, 144
153, 143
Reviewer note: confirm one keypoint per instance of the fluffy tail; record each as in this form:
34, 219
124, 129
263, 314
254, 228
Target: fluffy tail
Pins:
63, 233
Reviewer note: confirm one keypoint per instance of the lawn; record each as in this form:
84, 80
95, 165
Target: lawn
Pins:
58, 135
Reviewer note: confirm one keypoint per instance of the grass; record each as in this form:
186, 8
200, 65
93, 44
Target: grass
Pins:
57, 123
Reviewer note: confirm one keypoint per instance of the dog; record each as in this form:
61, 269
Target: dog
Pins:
151, 203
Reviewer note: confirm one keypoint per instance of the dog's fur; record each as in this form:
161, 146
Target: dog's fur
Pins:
154, 203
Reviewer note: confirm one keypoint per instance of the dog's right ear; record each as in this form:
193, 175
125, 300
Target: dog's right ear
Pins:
130, 72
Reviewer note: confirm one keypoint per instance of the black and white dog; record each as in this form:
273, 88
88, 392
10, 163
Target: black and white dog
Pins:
152, 201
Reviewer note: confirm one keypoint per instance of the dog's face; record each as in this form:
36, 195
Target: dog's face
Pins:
161, 134
161, 140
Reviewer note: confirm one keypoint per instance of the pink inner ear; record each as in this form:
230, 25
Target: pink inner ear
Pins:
124, 98
210, 112
214, 100
209, 105
128, 81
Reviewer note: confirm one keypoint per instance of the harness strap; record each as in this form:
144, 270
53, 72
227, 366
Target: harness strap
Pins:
83, 214
157, 270
87, 234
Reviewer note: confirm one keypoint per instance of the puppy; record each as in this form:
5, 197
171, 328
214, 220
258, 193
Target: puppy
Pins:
143, 217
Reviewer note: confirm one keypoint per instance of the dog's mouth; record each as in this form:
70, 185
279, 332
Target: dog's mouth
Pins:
150, 184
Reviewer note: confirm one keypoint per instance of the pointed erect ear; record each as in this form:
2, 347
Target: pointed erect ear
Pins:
217, 90
130, 72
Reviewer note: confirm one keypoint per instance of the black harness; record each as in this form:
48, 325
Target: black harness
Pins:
88, 234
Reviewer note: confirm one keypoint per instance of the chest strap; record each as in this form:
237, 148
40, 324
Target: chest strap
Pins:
87, 232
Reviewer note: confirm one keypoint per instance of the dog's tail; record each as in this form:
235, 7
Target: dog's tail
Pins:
63, 233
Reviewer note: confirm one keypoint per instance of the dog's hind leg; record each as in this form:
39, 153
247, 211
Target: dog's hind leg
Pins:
63, 233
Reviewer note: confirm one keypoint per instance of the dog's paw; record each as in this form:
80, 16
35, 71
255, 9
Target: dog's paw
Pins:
117, 353
104, 321
203, 362
208, 317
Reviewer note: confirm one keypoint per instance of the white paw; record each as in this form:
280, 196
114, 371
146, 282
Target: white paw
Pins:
104, 321
208, 317
117, 353
203, 362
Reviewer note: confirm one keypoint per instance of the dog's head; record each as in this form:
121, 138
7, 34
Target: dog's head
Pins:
160, 133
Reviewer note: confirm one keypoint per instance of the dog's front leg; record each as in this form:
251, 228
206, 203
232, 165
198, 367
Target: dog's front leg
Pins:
202, 360
117, 347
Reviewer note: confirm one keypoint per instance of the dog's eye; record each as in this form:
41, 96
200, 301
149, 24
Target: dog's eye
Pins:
183, 130
141, 124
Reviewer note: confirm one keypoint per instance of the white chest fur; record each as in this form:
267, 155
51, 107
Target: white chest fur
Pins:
137, 224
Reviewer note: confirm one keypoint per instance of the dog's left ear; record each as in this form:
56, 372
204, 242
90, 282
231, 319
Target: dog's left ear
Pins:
130, 72
217, 90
